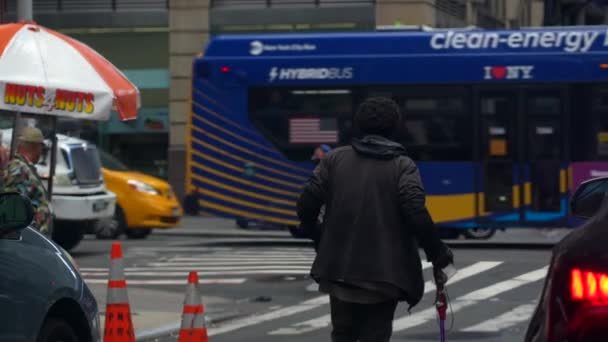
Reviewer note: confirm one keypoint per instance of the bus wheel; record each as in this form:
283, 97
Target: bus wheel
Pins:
479, 233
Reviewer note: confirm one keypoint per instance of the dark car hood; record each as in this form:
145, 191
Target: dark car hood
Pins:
378, 147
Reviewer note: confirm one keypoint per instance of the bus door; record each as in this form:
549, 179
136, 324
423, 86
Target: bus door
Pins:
544, 151
498, 197
522, 155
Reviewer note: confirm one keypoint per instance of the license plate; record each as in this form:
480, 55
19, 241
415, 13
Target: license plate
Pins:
100, 206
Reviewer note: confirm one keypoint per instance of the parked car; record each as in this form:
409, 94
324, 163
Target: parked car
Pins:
143, 202
43, 297
574, 301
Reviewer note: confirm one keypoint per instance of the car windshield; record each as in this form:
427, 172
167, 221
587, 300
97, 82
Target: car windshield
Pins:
109, 162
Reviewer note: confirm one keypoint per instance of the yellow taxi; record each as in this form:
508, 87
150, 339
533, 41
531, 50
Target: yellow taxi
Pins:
143, 202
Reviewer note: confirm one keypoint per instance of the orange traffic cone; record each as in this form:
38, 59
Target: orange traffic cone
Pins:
193, 327
118, 326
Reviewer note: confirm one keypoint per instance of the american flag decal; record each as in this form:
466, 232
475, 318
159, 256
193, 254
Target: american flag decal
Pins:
313, 131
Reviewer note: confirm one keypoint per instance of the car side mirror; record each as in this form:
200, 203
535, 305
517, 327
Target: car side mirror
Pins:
16, 212
589, 197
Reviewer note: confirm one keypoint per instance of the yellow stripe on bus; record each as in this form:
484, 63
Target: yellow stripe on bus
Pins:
246, 214
239, 137
240, 169
202, 131
245, 150
217, 115
527, 193
244, 203
243, 192
516, 198
245, 182
446, 208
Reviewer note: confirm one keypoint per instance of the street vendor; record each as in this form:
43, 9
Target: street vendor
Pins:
21, 175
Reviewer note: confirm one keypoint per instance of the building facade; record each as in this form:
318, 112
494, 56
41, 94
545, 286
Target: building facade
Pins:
575, 12
322, 15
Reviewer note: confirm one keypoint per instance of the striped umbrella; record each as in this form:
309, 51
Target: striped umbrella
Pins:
45, 72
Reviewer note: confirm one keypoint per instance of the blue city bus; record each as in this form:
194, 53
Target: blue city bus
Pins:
503, 124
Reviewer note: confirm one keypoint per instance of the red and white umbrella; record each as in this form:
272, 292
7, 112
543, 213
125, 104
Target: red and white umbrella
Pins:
45, 72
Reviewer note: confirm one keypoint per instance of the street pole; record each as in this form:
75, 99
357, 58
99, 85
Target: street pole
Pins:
25, 10
24, 13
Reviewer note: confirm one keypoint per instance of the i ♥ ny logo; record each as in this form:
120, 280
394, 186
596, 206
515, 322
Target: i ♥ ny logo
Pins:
509, 72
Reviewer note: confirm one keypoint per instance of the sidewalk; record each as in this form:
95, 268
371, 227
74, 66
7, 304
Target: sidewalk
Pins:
518, 237
157, 313
219, 227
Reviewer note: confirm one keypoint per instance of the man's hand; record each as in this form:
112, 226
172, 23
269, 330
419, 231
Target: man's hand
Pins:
440, 277
444, 259
306, 232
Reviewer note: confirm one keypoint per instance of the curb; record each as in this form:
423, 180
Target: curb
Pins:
167, 329
224, 235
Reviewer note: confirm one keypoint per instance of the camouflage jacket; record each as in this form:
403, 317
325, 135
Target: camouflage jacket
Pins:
20, 175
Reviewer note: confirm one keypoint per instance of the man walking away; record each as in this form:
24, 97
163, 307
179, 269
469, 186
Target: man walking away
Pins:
368, 257
21, 176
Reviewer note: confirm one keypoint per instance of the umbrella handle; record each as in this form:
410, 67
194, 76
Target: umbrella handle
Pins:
441, 304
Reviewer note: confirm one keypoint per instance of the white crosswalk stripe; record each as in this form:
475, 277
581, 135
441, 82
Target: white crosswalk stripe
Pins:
324, 321
484, 292
475, 285
510, 318
469, 299
221, 265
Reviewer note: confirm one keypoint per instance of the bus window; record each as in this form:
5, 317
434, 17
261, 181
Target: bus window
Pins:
600, 100
602, 137
295, 120
442, 103
544, 105
599, 122
436, 126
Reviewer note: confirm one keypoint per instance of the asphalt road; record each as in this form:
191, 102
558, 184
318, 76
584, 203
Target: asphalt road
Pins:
259, 288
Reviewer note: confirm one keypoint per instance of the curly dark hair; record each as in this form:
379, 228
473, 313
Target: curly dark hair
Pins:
378, 115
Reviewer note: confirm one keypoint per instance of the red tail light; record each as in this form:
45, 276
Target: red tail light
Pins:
577, 284
589, 286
